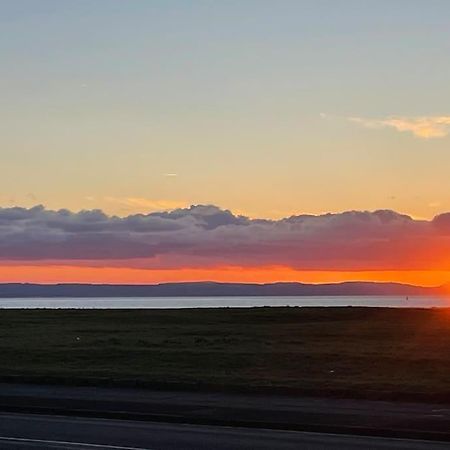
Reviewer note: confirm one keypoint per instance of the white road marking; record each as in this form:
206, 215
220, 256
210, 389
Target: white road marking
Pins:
44, 441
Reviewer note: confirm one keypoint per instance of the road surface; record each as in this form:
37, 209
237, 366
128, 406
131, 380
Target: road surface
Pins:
396, 419
21, 431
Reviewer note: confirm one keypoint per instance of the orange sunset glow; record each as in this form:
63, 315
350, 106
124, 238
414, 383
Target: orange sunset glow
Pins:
224, 143
114, 275
208, 243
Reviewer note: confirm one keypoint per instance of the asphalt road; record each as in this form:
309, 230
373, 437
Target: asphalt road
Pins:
396, 419
20, 431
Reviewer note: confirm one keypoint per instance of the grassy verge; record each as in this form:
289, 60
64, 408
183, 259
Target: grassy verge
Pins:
357, 352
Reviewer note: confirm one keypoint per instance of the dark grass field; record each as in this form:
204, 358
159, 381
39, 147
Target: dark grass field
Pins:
355, 352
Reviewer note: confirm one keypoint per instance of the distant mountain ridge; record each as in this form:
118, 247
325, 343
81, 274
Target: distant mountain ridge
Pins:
212, 289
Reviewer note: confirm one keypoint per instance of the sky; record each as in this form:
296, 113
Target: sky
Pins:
259, 110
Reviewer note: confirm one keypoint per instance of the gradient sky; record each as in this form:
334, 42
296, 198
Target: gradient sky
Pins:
266, 108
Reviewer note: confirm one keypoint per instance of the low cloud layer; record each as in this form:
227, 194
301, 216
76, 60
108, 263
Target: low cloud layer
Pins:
209, 236
421, 127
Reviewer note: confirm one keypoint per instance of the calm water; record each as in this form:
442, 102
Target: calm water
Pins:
222, 302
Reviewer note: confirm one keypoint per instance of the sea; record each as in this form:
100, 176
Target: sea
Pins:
223, 302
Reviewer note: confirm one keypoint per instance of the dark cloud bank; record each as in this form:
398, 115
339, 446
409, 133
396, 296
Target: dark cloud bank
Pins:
351, 240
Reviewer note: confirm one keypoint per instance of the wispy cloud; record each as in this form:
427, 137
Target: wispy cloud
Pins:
427, 127
144, 204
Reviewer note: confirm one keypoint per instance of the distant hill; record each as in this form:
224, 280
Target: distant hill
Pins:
205, 289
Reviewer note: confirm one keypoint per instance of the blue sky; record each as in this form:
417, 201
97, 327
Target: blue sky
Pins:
248, 105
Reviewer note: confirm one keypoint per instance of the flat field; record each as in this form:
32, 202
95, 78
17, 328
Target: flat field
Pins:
354, 352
